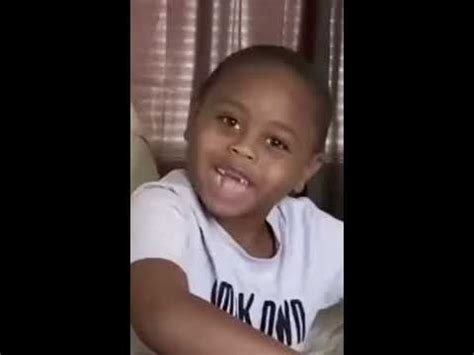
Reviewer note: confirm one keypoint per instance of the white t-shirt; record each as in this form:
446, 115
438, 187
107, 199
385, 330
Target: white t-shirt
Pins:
280, 295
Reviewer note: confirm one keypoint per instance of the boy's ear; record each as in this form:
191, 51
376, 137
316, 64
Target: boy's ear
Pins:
186, 134
315, 163
187, 129
193, 111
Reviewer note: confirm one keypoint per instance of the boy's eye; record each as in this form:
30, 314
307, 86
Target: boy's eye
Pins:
229, 121
277, 143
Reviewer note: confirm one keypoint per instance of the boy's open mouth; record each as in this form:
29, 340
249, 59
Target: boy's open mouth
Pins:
232, 182
229, 173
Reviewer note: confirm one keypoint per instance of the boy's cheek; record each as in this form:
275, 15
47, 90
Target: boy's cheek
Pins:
280, 177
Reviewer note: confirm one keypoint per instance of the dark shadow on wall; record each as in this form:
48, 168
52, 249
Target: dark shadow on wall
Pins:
326, 189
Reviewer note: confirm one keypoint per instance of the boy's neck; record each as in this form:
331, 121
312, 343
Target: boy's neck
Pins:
251, 233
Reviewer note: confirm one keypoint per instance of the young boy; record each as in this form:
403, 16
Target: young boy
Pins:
223, 261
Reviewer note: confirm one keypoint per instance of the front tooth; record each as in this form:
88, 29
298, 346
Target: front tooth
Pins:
221, 171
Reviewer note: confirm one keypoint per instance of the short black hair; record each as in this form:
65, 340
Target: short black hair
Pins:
282, 56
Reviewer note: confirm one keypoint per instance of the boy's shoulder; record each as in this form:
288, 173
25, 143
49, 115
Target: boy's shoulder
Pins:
303, 212
317, 236
174, 188
175, 182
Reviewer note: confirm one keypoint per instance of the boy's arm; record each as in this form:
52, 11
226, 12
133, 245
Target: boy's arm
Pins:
172, 321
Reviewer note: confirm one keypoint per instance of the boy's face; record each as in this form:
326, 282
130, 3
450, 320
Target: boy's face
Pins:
251, 141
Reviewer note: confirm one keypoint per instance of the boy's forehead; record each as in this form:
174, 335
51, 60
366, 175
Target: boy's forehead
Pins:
273, 85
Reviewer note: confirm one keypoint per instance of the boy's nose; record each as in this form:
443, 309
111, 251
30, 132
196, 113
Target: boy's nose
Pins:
244, 151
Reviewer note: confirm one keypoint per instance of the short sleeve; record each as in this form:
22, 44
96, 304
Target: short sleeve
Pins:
335, 241
327, 241
159, 225
335, 292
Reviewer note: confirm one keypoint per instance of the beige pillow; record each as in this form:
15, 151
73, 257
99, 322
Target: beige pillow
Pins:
327, 334
142, 163
143, 167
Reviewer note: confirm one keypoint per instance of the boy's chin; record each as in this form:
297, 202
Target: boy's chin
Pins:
228, 210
